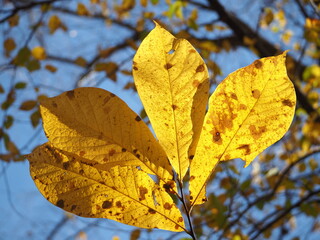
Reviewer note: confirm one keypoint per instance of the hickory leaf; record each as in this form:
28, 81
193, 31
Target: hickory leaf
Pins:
249, 111
103, 161
173, 83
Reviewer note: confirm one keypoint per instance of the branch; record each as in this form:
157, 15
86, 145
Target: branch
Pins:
57, 227
264, 47
284, 213
269, 195
97, 16
26, 7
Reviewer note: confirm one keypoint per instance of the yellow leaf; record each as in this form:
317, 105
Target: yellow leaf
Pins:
250, 110
124, 194
96, 124
172, 81
39, 53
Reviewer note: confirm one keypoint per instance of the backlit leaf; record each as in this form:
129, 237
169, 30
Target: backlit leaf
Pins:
33, 65
22, 57
8, 121
55, 23
80, 61
172, 81
14, 20
250, 110
124, 194
9, 45
20, 85
28, 105
39, 53
35, 118
97, 125
51, 68
82, 10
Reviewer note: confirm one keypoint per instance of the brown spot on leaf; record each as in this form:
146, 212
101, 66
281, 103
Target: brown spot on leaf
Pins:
135, 68
142, 191
192, 51
151, 211
107, 204
180, 219
257, 132
168, 66
200, 68
60, 203
258, 64
217, 137
73, 207
196, 83
169, 186
243, 107
191, 198
123, 150
70, 95
112, 95
112, 152
174, 107
191, 157
167, 206
54, 104
246, 149
118, 204
234, 96
66, 165
81, 172
82, 153
287, 102
138, 119
255, 93
192, 178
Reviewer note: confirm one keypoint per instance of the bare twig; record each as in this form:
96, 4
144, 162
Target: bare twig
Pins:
284, 213
26, 7
57, 227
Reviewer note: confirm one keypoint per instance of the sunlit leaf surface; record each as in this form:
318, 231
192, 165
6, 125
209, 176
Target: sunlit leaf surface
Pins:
249, 111
172, 82
123, 193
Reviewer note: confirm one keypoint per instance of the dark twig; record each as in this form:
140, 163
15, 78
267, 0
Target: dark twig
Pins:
269, 195
26, 7
284, 213
57, 227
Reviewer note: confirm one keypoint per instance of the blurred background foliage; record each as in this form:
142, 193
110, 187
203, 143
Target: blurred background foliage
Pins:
51, 46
